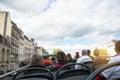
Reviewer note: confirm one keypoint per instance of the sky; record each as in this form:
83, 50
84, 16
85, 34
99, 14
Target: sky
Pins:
70, 25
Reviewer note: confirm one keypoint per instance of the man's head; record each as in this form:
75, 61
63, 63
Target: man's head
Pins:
84, 52
89, 52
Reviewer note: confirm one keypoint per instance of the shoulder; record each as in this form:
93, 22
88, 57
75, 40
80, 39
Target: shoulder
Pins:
59, 64
115, 59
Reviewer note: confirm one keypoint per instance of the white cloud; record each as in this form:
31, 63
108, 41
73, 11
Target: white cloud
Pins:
50, 20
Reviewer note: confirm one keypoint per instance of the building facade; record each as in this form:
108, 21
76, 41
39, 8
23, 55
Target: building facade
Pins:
21, 55
15, 36
110, 47
28, 48
5, 40
40, 50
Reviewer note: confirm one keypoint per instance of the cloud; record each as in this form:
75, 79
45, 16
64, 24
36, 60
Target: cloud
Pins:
27, 6
76, 21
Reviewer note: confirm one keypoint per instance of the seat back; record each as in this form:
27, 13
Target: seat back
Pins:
72, 74
79, 74
90, 64
42, 73
54, 70
35, 70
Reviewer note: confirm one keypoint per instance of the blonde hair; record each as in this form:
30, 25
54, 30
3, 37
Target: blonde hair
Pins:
37, 60
96, 52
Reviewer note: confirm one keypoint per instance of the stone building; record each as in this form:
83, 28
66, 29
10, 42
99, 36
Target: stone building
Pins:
15, 36
40, 50
21, 55
5, 40
28, 48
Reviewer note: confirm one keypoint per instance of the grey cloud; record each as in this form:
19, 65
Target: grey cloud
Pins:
27, 6
68, 31
81, 31
110, 32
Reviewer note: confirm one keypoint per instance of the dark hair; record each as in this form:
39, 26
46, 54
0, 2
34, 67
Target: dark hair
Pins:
23, 63
77, 56
69, 56
62, 58
89, 52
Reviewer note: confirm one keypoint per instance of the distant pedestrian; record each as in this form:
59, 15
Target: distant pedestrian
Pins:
1, 69
23, 63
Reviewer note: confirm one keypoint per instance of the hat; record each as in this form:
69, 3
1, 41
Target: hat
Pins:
77, 52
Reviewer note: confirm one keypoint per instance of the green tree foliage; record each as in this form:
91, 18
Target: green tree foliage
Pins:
55, 50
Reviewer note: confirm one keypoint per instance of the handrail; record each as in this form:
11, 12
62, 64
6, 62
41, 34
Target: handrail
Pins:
102, 68
4, 75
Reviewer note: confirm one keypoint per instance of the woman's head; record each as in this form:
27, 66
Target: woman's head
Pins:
96, 52
61, 57
69, 56
37, 60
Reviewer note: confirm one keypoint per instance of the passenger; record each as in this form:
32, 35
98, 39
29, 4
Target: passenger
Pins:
96, 54
89, 53
36, 60
53, 60
76, 56
99, 60
84, 58
61, 58
69, 58
113, 72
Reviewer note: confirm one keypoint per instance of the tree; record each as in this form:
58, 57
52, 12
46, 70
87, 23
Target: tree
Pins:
55, 50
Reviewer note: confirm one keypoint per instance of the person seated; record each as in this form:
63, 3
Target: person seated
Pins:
53, 59
89, 53
69, 58
99, 60
113, 72
76, 56
37, 61
61, 60
83, 58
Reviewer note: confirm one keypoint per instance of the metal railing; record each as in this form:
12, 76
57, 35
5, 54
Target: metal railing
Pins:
9, 73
